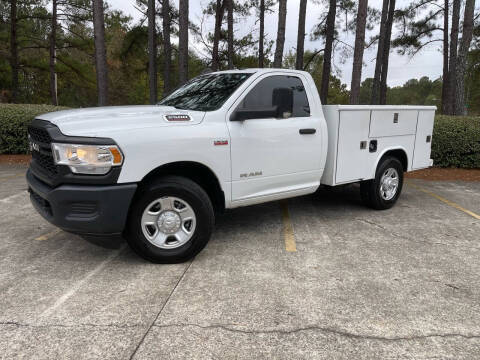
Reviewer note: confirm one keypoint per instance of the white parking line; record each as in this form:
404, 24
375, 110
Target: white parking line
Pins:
48, 235
288, 234
12, 197
12, 176
80, 283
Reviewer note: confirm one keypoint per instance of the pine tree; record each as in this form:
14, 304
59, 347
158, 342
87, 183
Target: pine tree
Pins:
301, 34
100, 52
282, 16
183, 42
358, 51
327, 54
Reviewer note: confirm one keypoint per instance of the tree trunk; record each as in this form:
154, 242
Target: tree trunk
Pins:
467, 34
183, 42
230, 33
378, 63
386, 53
152, 52
282, 17
167, 47
358, 52
219, 10
301, 34
14, 49
327, 55
53, 55
445, 58
100, 52
452, 67
262, 34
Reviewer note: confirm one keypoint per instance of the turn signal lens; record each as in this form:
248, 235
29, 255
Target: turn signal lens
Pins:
117, 156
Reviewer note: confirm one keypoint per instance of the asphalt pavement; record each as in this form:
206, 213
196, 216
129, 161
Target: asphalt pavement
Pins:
315, 277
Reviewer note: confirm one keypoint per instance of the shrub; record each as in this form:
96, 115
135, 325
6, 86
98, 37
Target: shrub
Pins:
14, 120
456, 141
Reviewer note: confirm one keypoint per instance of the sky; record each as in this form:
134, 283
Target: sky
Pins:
401, 68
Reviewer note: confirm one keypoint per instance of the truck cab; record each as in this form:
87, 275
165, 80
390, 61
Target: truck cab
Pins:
157, 174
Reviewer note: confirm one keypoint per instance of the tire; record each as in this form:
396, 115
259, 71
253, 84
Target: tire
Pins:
170, 221
372, 192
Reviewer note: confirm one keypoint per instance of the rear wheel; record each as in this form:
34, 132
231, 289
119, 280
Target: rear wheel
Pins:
383, 192
171, 220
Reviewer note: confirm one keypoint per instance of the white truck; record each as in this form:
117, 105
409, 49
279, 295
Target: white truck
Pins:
158, 174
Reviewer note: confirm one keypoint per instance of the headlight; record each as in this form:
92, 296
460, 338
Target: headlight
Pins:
87, 159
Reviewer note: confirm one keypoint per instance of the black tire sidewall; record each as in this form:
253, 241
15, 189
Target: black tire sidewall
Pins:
181, 188
376, 199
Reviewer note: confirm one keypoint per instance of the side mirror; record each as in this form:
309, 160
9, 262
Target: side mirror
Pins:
282, 98
247, 114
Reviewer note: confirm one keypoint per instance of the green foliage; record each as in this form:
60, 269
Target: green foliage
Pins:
414, 92
456, 142
421, 26
127, 53
472, 80
14, 120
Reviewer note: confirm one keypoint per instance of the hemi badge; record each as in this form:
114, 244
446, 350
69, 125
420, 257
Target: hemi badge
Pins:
220, 142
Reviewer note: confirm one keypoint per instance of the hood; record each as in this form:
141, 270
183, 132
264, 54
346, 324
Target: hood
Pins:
101, 121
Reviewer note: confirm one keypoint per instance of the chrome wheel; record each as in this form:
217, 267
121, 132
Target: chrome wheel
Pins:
389, 184
168, 222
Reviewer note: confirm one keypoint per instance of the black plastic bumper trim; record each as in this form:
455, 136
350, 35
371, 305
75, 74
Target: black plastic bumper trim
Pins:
83, 209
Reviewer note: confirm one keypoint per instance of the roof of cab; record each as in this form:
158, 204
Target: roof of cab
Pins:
258, 70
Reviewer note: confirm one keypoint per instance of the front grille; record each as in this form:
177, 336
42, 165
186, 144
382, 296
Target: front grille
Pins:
42, 156
45, 162
42, 134
39, 135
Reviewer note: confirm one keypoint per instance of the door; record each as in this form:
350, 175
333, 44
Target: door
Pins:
393, 122
352, 152
423, 139
271, 156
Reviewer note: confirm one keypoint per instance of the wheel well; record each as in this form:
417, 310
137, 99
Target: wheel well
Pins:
196, 172
400, 155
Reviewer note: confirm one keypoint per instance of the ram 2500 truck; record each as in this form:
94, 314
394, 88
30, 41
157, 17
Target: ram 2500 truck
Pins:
158, 174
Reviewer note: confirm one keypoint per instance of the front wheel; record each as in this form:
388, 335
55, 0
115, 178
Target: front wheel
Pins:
383, 192
171, 220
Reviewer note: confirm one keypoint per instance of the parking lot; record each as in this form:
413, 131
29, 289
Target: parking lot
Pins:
318, 277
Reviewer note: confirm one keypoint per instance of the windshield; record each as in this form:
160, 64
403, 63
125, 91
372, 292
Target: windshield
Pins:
205, 92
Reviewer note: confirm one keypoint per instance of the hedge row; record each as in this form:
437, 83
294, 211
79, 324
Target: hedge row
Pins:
14, 119
456, 140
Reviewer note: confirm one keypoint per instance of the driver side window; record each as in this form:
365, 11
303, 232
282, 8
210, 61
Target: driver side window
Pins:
261, 96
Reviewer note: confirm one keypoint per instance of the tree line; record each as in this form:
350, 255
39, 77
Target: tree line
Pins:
85, 52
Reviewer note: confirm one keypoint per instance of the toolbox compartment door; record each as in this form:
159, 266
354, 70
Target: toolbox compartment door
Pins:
393, 123
423, 140
352, 146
